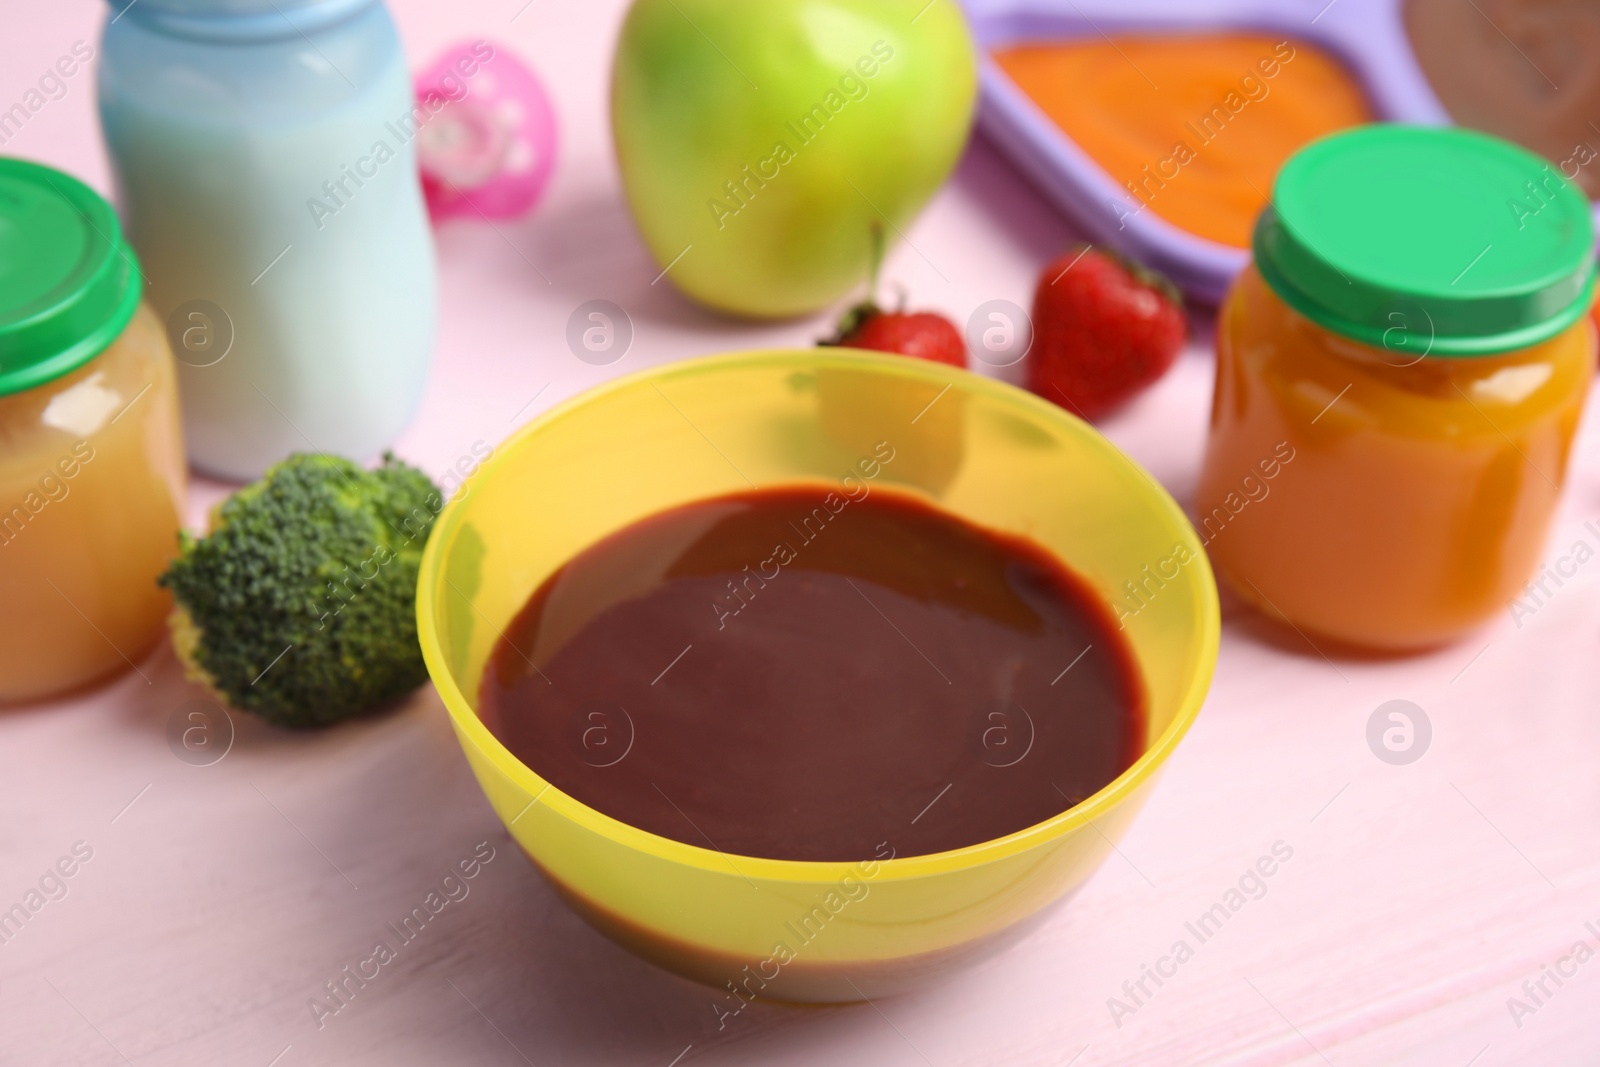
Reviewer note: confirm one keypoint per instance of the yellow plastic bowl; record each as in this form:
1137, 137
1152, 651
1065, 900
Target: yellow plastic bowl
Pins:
979, 448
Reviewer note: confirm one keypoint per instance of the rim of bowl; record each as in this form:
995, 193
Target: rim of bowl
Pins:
1207, 622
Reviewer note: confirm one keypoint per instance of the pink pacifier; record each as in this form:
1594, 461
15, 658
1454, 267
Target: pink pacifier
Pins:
488, 144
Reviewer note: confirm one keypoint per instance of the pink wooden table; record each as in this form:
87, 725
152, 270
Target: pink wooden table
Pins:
218, 900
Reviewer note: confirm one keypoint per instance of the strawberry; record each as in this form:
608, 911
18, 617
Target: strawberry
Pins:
923, 334
1103, 331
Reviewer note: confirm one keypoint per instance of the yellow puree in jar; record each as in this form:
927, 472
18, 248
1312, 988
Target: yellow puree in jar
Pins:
91, 479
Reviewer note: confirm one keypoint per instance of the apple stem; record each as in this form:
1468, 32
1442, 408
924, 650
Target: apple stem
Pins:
875, 250
855, 317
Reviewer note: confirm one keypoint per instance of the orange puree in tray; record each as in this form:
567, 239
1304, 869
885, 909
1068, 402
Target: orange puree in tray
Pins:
1194, 126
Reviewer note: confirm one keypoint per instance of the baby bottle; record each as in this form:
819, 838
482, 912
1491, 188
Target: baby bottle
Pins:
265, 166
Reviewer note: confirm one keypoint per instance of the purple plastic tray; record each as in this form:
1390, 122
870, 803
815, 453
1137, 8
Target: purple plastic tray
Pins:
1366, 35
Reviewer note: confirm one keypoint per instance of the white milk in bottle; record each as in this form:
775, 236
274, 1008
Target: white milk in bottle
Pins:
266, 171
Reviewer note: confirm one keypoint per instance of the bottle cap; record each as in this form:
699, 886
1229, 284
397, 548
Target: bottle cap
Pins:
68, 281
1438, 240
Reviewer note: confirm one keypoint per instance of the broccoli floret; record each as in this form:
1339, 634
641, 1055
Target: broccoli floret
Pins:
299, 605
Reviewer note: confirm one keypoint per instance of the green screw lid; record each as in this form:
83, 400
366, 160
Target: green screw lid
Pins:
1437, 240
68, 283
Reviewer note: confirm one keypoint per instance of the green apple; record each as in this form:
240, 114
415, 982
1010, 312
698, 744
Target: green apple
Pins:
761, 143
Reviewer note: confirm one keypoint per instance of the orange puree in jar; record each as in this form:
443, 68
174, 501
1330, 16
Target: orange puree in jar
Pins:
1416, 496
1399, 378
1194, 126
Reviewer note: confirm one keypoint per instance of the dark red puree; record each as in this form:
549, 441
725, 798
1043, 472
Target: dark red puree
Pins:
796, 674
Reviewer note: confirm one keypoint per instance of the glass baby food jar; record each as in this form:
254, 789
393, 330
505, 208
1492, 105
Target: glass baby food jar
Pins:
1399, 376
91, 460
